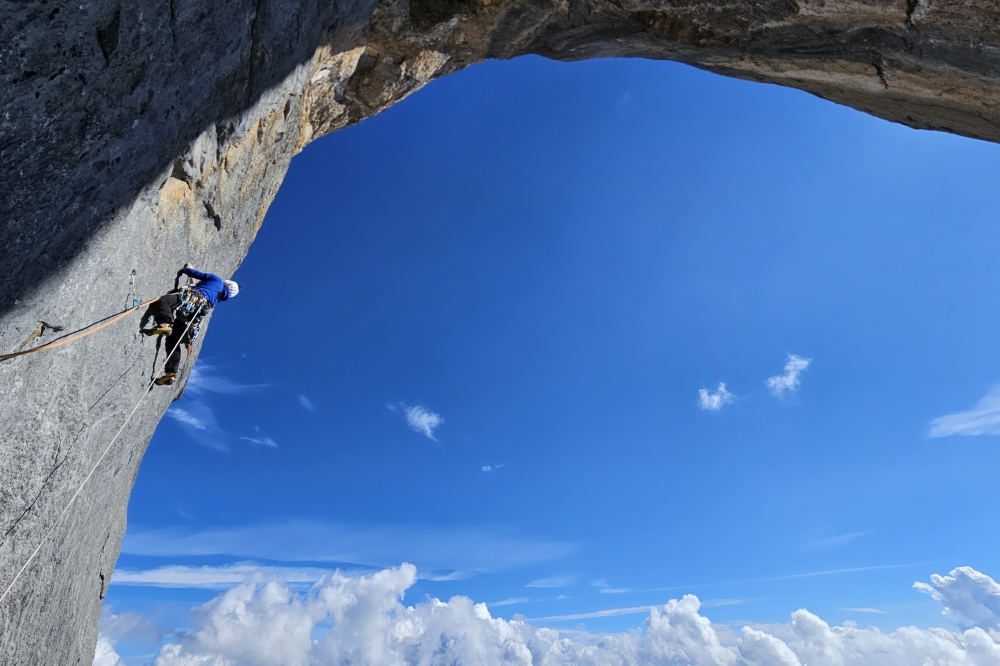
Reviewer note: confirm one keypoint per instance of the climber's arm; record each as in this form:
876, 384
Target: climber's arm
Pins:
190, 271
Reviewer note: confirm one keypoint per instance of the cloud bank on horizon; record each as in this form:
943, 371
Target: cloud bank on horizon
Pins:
360, 619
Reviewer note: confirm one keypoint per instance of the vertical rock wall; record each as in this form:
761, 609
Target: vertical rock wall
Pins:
138, 136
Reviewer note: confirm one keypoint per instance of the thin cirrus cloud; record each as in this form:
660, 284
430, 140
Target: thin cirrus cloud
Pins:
360, 618
713, 401
214, 577
441, 553
510, 602
261, 441
875, 611
834, 541
607, 589
307, 403
552, 581
198, 421
205, 379
195, 416
788, 382
983, 419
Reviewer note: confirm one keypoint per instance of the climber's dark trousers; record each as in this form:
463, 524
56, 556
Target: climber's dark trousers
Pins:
162, 311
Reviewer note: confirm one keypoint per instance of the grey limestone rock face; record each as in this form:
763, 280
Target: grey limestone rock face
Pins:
141, 135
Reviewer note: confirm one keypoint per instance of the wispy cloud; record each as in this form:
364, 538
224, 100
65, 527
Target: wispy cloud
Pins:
184, 417
983, 419
490, 468
866, 610
195, 415
789, 381
608, 612
435, 551
205, 379
214, 577
423, 420
607, 589
834, 541
715, 603
713, 401
261, 441
198, 421
552, 581
509, 602
305, 402
808, 574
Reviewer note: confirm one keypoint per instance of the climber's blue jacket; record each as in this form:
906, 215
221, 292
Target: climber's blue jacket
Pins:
209, 285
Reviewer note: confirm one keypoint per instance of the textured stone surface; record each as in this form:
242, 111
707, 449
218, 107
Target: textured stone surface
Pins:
145, 134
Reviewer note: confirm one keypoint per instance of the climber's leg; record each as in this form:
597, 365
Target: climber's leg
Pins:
162, 312
174, 347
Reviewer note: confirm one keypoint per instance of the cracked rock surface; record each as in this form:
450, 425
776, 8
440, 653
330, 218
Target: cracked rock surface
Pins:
140, 135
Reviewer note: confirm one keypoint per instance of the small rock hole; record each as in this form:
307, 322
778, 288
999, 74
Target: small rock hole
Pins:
107, 36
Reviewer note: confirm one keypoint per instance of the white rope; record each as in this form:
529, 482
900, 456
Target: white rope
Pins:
72, 499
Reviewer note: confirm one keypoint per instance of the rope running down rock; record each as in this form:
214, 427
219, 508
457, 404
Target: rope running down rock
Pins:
99, 460
65, 341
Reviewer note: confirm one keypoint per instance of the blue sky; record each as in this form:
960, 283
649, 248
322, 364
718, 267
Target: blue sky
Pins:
472, 332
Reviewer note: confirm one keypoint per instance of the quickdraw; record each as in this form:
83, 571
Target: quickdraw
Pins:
133, 295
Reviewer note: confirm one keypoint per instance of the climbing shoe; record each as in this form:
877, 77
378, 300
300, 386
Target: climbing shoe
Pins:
162, 329
166, 380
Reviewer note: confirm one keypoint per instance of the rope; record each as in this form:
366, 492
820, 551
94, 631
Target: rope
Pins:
99, 461
68, 339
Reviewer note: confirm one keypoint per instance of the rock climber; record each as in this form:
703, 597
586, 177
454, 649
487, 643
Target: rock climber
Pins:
178, 315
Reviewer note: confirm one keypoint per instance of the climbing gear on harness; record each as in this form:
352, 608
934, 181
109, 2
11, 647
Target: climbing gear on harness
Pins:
167, 379
162, 329
192, 301
232, 287
81, 333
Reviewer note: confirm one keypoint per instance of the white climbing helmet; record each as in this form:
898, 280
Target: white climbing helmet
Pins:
232, 287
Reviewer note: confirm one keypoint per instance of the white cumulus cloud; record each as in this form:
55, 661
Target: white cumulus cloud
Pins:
360, 619
789, 381
713, 401
105, 654
983, 419
970, 597
423, 420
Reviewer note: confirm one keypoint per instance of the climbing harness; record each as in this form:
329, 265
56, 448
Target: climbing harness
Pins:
81, 333
191, 301
87, 478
